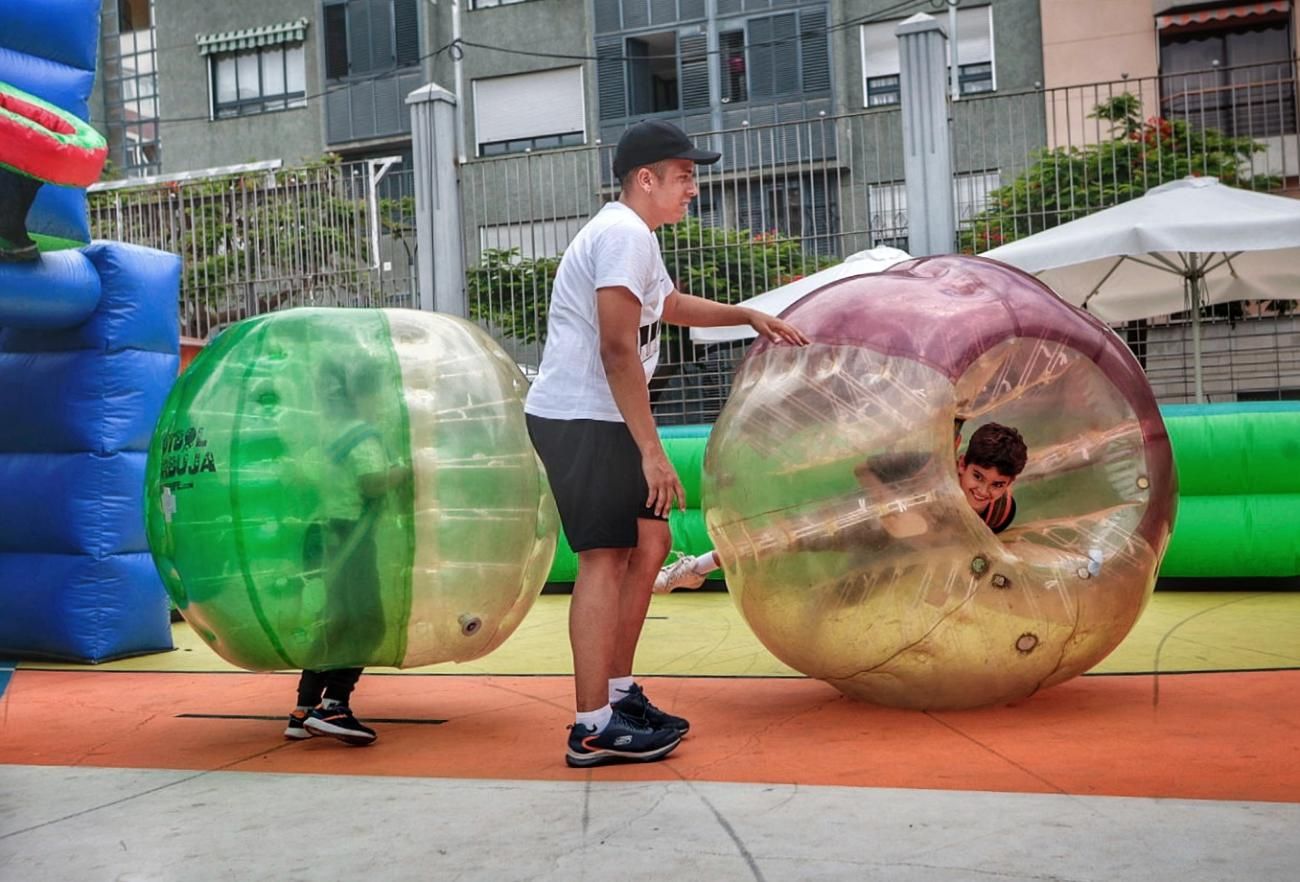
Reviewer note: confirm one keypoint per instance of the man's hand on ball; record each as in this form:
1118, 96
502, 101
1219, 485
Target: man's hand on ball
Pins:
775, 329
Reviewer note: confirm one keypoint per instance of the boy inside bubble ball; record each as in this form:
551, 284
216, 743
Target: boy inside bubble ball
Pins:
986, 472
357, 481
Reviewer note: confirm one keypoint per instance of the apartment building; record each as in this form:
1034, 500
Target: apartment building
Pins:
189, 85
1227, 66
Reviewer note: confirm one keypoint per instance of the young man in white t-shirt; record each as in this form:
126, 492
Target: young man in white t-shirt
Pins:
589, 418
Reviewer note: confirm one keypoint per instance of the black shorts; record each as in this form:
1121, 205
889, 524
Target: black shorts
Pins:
595, 472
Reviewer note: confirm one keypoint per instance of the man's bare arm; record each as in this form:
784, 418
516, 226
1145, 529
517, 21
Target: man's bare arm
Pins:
619, 315
697, 312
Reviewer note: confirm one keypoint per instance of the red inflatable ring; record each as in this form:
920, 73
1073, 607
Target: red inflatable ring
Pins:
42, 141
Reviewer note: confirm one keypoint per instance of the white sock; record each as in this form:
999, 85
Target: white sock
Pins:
619, 687
302, 707
328, 703
706, 563
597, 719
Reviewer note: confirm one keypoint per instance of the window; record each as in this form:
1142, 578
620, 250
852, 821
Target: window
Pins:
367, 37
257, 81
134, 15
131, 87
887, 205
533, 239
972, 79
1270, 395
652, 73
529, 111
788, 54
887, 215
668, 71
883, 90
803, 207
488, 4
975, 67
731, 60
1230, 74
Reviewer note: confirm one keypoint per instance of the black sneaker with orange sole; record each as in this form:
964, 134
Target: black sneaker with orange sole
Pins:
339, 722
623, 741
295, 730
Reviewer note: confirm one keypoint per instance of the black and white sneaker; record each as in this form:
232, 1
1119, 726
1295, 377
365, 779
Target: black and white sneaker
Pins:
637, 707
338, 721
295, 730
622, 741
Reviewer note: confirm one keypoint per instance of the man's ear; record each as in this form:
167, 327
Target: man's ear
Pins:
961, 463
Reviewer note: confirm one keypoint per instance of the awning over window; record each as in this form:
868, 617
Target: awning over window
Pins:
1201, 17
251, 38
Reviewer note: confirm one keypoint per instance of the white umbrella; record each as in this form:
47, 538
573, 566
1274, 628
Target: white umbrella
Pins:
774, 302
1180, 246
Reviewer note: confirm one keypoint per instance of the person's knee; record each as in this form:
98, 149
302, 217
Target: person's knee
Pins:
654, 541
603, 563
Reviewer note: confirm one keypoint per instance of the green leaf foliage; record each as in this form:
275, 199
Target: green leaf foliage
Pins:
512, 293
1066, 183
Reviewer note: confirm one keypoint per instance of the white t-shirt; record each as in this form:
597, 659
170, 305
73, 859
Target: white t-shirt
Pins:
614, 248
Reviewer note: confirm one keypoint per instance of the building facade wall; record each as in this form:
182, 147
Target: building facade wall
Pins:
1097, 41
1017, 41
193, 141
555, 27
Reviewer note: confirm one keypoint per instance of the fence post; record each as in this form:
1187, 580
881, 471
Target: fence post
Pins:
927, 153
440, 255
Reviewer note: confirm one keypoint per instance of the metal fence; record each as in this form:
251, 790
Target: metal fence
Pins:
1245, 356
1068, 152
1078, 149
791, 198
263, 239
788, 199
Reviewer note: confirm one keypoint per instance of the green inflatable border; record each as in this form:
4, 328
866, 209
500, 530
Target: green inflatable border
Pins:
1239, 492
54, 243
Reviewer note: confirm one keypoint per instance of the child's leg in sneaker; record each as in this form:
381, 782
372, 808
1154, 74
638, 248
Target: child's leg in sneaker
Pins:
686, 572
311, 686
339, 685
334, 717
296, 727
706, 563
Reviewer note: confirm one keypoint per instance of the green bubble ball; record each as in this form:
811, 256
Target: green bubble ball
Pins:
344, 488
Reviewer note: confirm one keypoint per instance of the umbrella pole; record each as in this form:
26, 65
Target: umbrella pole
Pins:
1193, 283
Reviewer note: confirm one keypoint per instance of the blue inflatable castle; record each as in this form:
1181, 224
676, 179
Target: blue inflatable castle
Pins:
89, 347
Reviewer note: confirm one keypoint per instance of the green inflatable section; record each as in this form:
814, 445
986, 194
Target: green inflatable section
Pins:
349, 487
1239, 492
685, 448
1239, 488
250, 476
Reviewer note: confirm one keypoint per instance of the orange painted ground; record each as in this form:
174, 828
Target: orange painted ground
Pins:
1230, 736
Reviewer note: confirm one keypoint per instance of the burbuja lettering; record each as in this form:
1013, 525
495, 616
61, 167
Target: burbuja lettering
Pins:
184, 453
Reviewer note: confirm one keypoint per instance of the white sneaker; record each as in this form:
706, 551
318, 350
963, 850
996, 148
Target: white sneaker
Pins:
679, 574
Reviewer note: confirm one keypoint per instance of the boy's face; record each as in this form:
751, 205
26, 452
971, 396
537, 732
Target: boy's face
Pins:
981, 485
671, 195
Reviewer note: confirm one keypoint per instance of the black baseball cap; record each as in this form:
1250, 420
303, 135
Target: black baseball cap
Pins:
649, 142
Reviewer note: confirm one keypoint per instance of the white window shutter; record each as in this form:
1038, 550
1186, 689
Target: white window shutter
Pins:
532, 105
